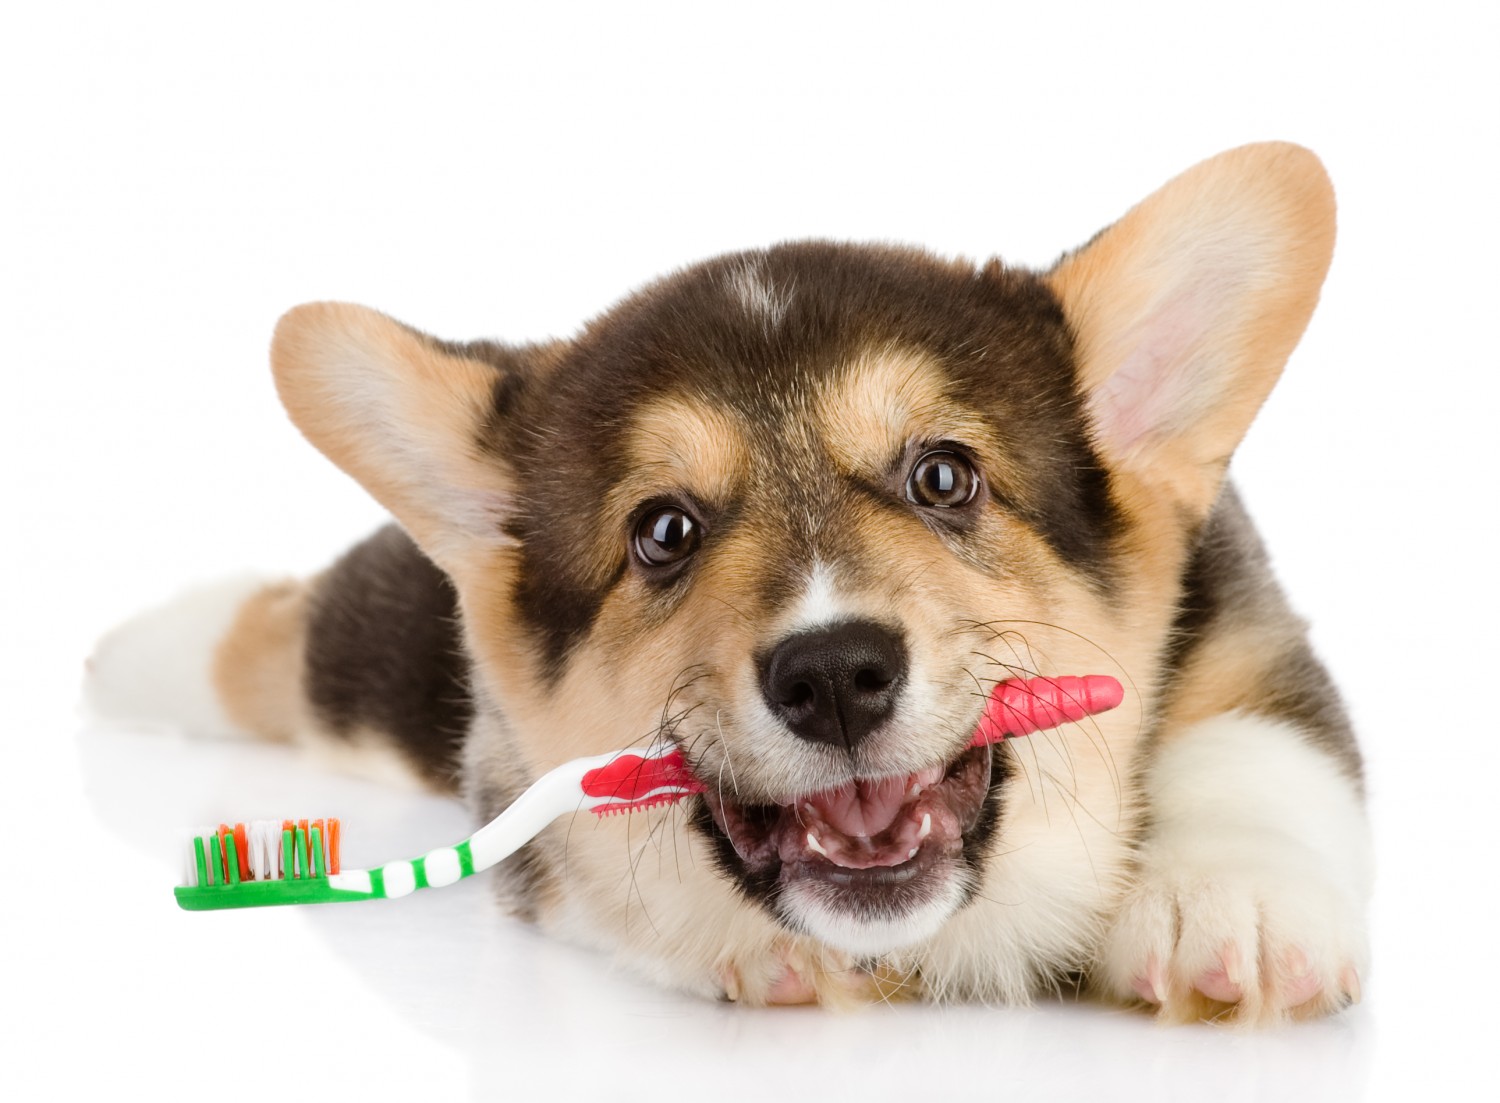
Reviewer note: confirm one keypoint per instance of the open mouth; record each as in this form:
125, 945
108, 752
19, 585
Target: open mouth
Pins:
882, 843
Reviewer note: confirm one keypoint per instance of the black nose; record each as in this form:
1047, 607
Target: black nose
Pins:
837, 684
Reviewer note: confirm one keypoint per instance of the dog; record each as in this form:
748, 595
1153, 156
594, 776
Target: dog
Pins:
797, 511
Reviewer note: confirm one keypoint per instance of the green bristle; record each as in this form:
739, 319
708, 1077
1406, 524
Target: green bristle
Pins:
287, 873
318, 864
231, 860
198, 858
215, 861
299, 847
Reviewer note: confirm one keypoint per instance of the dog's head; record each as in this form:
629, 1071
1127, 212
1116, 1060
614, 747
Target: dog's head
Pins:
799, 510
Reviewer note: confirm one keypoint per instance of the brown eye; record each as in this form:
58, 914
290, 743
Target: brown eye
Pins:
943, 480
665, 536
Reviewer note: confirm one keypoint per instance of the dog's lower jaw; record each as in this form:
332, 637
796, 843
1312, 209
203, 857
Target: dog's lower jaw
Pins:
870, 935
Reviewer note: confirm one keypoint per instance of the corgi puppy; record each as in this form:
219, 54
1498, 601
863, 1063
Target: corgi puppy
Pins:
796, 511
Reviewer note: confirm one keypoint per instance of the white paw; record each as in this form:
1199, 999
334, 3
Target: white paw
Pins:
1251, 886
1253, 937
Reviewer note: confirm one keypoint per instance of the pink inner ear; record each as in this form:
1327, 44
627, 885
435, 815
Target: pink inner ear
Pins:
1166, 374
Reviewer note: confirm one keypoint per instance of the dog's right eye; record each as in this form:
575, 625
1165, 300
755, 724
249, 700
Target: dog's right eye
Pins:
665, 536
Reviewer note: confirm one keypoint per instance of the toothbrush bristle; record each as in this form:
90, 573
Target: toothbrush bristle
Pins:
331, 842
262, 850
638, 805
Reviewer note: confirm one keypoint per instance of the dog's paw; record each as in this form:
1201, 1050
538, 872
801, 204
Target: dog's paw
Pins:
795, 971
1255, 937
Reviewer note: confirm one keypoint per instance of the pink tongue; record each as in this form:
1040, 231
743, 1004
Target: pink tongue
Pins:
863, 809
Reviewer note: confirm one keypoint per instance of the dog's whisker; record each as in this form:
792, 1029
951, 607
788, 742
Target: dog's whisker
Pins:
728, 757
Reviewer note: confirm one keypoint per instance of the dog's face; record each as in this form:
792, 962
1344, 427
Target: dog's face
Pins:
799, 510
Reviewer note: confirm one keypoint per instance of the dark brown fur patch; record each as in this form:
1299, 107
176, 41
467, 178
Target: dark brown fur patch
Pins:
384, 654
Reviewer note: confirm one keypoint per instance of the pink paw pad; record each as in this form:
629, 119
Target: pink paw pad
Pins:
1299, 981
1226, 982
791, 987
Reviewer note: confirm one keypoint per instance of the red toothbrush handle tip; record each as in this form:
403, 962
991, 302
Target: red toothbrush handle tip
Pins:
630, 778
1021, 706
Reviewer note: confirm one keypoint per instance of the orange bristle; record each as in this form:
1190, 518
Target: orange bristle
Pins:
224, 836
242, 851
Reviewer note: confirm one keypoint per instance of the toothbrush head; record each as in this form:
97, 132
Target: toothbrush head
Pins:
264, 862
631, 783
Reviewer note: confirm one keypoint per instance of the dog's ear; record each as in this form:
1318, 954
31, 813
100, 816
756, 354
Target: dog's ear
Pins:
406, 416
1186, 310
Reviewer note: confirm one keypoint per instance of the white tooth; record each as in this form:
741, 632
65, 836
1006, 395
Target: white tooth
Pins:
912, 853
926, 826
914, 792
815, 846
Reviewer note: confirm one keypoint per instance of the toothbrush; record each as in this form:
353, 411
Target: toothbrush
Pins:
285, 862
282, 862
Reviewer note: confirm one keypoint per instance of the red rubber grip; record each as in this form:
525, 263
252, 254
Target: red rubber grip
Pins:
1021, 706
630, 777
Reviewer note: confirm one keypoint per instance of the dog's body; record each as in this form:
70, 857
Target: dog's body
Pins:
797, 511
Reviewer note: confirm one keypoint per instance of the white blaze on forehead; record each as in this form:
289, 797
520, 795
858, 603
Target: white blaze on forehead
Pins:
750, 288
819, 603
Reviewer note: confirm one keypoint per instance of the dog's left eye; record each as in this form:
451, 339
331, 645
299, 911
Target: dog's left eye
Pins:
942, 480
666, 536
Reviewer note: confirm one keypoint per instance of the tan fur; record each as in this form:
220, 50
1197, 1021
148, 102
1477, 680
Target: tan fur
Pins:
681, 443
885, 398
257, 667
1222, 675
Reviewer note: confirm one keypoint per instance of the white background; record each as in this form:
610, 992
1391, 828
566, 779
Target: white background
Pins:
172, 178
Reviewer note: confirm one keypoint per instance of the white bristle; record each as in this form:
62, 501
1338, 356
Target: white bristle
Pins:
252, 841
269, 848
257, 852
259, 867
273, 849
191, 877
